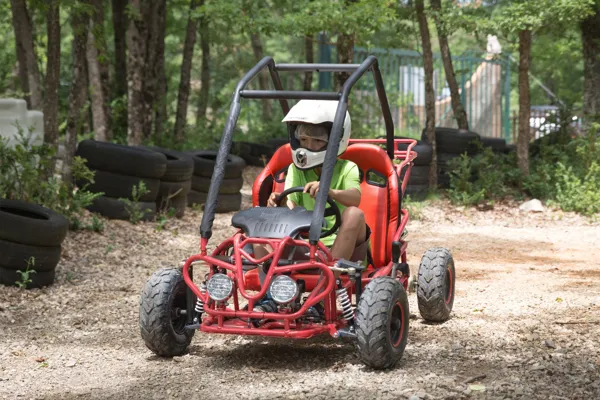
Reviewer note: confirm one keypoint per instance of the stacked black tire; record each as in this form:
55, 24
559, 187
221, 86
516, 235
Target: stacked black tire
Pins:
255, 154
229, 198
176, 183
118, 168
450, 144
29, 230
418, 182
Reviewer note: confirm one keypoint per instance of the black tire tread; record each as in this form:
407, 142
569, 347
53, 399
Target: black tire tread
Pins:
375, 348
39, 279
228, 186
16, 226
431, 284
155, 314
119, 185
122, 159
14, 256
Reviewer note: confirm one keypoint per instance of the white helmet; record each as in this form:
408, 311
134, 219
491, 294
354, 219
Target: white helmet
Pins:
315, 112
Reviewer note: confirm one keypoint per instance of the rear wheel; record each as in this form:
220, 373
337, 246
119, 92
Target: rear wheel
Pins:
382, 323
435, 284
162, 324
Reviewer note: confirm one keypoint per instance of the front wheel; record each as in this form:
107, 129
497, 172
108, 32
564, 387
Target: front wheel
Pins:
382, 323
435, 284
162, 324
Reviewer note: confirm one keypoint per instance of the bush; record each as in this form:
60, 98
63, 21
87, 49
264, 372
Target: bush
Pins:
25, 175
564, 172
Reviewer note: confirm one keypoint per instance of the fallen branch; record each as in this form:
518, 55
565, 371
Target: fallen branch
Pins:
475, 378
576, 322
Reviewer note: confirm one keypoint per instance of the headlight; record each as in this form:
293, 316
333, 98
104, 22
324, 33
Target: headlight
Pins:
219, 287
283, 289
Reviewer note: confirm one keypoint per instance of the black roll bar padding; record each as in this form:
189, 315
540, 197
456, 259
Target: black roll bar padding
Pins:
317, 67
225, 145
288, 94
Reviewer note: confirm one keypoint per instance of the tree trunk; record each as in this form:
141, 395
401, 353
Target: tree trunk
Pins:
457, 107
98, 74
160, 95
204, 74
590, 35
136, 42
429, 93
263, 79
524, 103
119, 20
309, 54
52, 79
78, 93
153, 13
184, 82
96, 57
345, 51
23, 29
23, 75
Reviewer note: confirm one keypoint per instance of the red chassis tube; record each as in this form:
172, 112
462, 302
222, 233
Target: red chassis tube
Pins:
321, 286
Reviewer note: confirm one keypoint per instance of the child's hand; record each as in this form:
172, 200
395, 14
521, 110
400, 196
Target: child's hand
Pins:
271, 201
312, 188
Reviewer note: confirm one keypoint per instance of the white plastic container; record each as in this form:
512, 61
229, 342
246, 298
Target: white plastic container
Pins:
14, 114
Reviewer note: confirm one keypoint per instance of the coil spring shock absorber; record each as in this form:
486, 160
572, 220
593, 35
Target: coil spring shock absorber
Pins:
199, 308
347, 312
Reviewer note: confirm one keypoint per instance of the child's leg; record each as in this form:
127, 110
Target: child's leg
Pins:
352, 232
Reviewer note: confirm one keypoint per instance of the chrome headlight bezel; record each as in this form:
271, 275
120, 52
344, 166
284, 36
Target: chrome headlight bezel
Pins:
219, 287
283, 289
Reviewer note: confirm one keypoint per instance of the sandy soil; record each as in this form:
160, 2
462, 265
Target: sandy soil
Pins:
525, 323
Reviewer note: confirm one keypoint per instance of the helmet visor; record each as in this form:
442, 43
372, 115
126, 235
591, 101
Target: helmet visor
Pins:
313, 137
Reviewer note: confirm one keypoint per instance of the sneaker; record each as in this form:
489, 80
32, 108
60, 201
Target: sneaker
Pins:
265, 305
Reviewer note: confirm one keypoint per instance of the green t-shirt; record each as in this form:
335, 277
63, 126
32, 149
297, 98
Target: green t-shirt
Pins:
345, 176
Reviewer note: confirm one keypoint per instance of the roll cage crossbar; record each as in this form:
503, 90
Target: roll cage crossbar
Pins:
357, 71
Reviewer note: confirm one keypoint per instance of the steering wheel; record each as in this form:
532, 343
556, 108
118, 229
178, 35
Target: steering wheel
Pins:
333, 209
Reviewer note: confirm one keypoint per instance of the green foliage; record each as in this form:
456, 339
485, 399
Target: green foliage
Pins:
135, 211
96, 225
564, 172
24, 175
25, 279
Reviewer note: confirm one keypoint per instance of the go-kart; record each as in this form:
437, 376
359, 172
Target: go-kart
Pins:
315, 293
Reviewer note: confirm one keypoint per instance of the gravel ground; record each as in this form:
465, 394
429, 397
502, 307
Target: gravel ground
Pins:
525, 323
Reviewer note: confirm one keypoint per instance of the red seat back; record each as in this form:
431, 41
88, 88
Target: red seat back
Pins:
379, 186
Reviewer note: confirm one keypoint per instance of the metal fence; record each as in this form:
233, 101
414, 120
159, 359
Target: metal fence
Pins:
484, 84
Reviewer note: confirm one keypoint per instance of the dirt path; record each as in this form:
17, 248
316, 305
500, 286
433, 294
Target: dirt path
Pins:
526, 316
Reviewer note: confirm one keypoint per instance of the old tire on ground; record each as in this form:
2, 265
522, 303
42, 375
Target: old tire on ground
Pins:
228, 186
32, 224
180, 166
114, 208
119, 185
178, 203
456, 141
205, 160
419, 175
161, 325
435, 284
39, 279
176, 188
16, 255
121, 159
382, 319
417, 192
225, 202
496, 144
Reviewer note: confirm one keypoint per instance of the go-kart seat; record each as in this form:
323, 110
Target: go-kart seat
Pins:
379, 187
